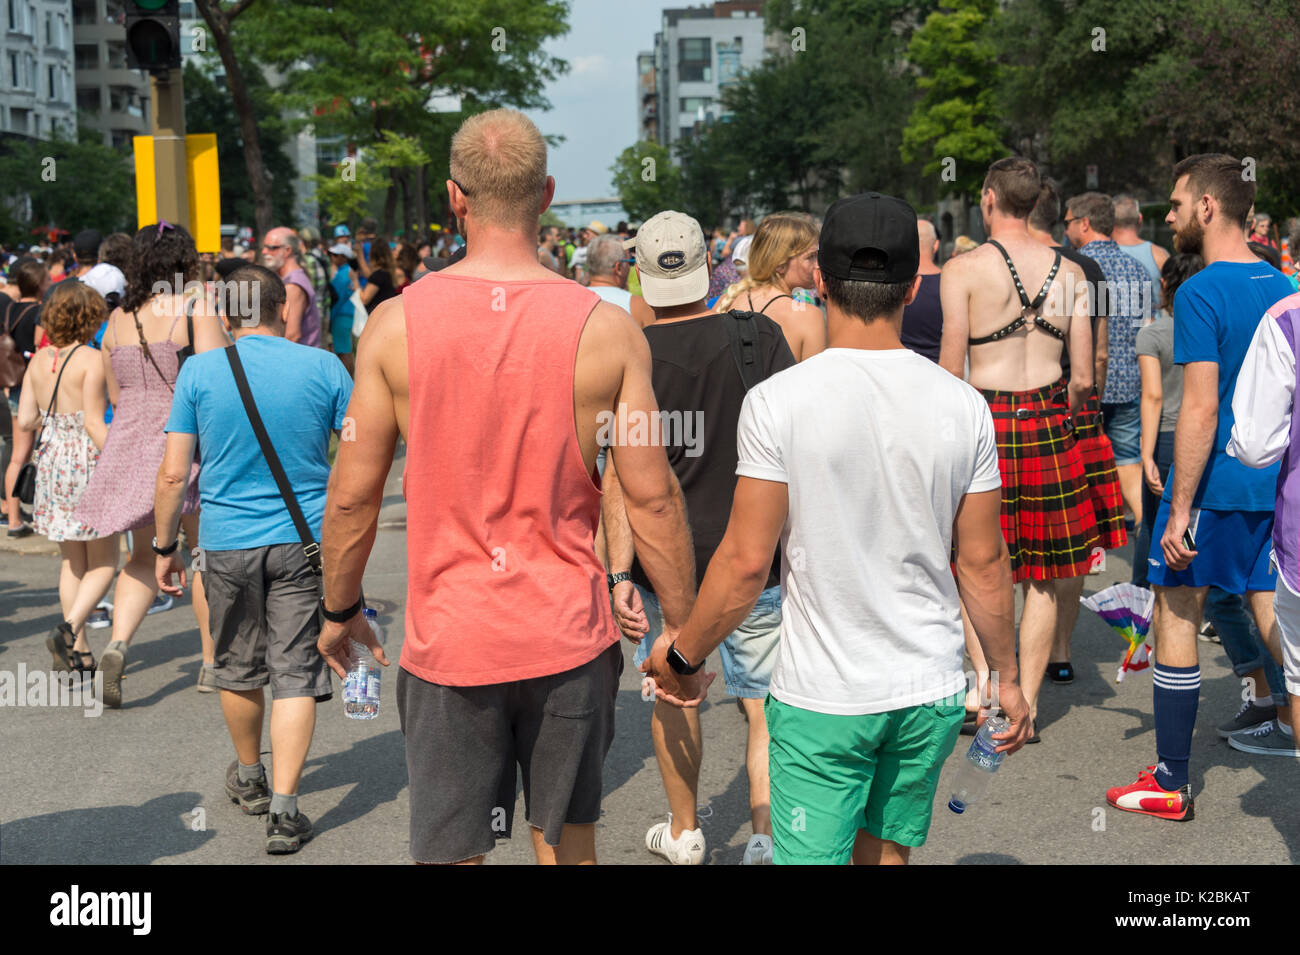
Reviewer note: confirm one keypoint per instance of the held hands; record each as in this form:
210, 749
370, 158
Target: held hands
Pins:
679, 690
629, 611
164, 568
335, 643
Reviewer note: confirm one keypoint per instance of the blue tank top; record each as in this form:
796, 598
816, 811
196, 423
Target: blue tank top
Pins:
1142, 252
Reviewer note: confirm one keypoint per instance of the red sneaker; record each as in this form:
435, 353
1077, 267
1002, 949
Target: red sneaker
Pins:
1146, 796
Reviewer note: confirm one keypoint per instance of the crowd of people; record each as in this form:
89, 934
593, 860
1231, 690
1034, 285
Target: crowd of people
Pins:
690, 440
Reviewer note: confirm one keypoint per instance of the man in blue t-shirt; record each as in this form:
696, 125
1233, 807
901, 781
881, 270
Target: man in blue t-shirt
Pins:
263, 593
1215, 521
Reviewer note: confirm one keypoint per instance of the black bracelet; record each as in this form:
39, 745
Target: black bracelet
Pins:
343, 616
614, 579
165, 551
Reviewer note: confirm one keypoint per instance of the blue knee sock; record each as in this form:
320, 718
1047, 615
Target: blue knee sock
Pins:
1176, 691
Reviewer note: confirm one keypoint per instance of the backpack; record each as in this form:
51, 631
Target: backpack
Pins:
12, 363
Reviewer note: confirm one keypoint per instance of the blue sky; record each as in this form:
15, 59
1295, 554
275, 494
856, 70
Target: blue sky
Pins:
594, 105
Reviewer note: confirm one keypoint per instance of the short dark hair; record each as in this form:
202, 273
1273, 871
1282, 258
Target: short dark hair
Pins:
1219, 175
29, 275
1097, 208
115, 250
1047, 210
866, 300
267, 296
1015, 182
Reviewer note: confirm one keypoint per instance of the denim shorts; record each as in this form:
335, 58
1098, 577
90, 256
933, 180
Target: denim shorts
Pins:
1123, 425
748, 653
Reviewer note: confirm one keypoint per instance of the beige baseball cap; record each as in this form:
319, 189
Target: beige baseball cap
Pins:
672, 260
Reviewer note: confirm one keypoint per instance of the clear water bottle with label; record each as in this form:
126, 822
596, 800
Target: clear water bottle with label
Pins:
981, 762
361, 689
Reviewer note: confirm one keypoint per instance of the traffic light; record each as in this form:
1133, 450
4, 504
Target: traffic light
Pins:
153, 40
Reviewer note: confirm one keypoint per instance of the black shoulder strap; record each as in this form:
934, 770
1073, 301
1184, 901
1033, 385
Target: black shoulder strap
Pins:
309, 546
1025, 303
54, 396
189, 319
744, 345
763, 310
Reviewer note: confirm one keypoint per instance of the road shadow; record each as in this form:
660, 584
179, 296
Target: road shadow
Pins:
988, 858
108, 835
375, 767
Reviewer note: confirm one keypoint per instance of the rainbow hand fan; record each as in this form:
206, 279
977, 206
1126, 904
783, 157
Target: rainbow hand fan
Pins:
1127, 608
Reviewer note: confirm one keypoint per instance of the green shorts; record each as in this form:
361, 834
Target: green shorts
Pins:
833, 775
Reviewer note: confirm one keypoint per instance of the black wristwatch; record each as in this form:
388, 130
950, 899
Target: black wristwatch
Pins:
165, 551
342, 616
618, 578
679, 663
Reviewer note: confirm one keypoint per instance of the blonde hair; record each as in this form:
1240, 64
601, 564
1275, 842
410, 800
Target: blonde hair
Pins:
780, 237
964, 243
499, 159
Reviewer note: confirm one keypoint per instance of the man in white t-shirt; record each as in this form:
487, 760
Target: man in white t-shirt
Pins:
867, 463
607, 266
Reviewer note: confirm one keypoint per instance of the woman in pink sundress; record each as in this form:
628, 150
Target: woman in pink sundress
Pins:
141, 354
70, 431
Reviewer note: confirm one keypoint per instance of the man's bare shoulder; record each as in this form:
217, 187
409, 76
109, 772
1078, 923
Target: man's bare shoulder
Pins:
386, 325
610, 325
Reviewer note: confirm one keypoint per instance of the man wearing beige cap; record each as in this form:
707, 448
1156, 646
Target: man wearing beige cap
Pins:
704, 363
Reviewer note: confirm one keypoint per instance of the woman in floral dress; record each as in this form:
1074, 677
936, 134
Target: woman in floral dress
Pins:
69, 436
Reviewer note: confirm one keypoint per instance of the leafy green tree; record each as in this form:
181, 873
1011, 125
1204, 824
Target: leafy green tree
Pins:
358, 68
344, 195
954, 129
72, 185
209, 109
647, 180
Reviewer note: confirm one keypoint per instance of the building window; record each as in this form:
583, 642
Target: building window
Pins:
49, 77
88, 99
695, 60
692, 104
86, 56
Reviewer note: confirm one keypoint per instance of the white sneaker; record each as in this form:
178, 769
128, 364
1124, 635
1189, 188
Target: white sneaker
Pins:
686, 849
759, 851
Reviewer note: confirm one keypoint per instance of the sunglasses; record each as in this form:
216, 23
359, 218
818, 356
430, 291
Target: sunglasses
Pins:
1066, 222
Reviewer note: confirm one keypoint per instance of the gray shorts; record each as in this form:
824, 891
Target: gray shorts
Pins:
264, 609
463, 743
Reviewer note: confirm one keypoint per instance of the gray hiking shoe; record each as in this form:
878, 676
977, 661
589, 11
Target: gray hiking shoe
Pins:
286, 834
111, 664
254, 797
1248, 717
1265, 740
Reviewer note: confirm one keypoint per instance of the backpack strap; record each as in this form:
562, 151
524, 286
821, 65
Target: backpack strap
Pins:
309, 546
743, 335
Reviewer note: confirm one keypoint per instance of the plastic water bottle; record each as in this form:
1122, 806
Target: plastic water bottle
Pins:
361, 689
981, 762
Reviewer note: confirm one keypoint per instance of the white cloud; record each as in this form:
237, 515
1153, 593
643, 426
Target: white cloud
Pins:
587, 65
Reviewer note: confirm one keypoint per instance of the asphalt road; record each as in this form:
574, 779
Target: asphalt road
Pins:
123, 787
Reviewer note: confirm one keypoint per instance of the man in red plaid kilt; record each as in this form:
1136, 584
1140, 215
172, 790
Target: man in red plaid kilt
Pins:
1010, 307
1098, 455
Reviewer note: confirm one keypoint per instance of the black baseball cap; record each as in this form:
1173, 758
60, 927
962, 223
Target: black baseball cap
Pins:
86, 245
869, 226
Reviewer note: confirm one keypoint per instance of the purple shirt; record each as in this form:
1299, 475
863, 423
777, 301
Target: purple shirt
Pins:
1266, 429
310, 316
